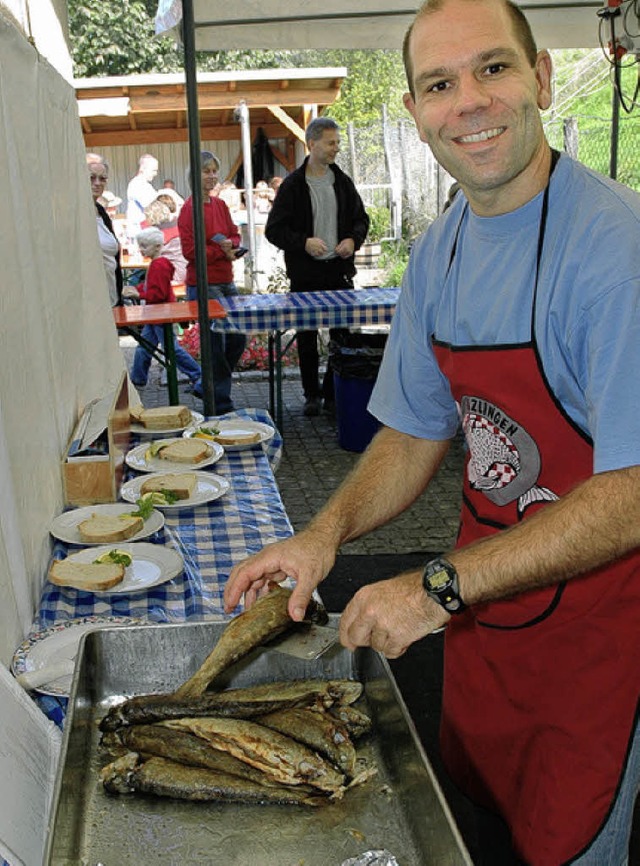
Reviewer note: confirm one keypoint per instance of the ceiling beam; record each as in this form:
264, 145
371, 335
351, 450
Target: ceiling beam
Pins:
287, 121
168, 135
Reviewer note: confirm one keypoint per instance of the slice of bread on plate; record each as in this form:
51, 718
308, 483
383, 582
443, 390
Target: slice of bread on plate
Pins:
237, 437
165, 417
181, 484
89, 576
185, 451
104, 528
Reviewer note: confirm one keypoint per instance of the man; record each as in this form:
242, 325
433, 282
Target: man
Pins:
515, 319
318, 219
140, 193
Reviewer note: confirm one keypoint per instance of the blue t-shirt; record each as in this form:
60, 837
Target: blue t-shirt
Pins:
587, 312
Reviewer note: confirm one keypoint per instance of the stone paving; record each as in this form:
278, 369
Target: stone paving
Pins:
313, 465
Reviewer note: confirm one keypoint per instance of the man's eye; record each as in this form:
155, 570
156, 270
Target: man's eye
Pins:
495, 68
438, 87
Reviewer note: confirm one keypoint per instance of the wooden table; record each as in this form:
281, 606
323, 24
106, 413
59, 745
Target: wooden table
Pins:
132, 318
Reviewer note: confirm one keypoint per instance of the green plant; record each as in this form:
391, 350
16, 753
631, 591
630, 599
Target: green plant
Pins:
379, 223
393, 262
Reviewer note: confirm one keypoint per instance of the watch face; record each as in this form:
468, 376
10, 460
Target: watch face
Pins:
439, 579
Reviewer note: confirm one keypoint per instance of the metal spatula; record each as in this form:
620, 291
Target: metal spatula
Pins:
308, 641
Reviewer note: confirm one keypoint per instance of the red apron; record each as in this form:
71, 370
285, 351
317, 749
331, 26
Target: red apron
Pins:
540, 690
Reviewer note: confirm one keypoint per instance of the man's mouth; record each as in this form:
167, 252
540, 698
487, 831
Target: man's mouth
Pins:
485, 135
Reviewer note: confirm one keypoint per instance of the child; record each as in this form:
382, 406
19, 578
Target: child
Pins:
157, 290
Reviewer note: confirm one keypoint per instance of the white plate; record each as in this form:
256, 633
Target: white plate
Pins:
140, 430
58, 645
235, 427
152, 564
136, 459
65, 525
208, 488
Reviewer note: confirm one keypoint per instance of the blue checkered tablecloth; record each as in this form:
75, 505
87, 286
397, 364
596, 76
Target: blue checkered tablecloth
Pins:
342, 308
211, 539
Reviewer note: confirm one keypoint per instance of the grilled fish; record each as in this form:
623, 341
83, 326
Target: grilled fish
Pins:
281, 758
318, 731
232, 703
183, 748
267, 618
166, 778
355, 721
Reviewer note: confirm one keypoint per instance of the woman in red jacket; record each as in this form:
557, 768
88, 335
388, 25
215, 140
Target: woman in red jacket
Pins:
226, 346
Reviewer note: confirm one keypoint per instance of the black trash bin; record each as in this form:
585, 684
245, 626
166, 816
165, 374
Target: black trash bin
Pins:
355, 362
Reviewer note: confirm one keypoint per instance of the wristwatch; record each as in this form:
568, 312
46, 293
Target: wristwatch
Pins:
440, 582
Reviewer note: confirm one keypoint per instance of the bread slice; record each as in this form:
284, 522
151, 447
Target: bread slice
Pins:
182, 484
89, 576
166, 417
136, 413
186, 451
105, 528
238, 438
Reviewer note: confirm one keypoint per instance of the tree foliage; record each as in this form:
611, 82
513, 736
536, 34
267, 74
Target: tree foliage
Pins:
116, 37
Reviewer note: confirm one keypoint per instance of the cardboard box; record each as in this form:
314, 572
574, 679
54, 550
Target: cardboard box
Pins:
93, 464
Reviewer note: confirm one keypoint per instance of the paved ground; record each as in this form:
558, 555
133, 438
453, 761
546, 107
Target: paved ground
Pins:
313, 465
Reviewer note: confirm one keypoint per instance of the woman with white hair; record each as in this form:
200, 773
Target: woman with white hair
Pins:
157, 290
222, 242
99, 175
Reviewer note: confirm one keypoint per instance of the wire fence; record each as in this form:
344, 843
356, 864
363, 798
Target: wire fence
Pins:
404, 188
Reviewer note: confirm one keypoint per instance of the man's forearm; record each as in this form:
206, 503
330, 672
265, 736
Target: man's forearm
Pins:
389, 476
596, 523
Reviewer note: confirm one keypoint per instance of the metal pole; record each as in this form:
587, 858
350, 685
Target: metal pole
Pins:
188, 40
615, 128
242, 113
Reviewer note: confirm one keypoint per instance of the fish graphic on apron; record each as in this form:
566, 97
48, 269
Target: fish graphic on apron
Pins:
540, 690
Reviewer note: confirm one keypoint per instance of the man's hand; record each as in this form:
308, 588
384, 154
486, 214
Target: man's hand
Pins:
345, 248
390, 615
315, 247
307, 558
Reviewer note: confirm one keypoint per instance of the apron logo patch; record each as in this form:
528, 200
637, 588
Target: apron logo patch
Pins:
504, 460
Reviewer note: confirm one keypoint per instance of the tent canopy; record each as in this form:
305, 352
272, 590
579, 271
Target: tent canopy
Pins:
248, 24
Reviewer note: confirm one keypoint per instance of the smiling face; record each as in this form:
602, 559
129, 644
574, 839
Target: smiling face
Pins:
210, 178
99, 176
477, 101
323, 150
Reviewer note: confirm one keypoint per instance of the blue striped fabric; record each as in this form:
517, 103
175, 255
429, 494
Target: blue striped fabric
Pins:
343, 308
211, 539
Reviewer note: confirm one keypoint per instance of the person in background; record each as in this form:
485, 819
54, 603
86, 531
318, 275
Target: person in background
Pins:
161, 213
222, 239
99, 175
518, 323
318, 219
157, 290
274, 185
169, 189
140, 193
110, 202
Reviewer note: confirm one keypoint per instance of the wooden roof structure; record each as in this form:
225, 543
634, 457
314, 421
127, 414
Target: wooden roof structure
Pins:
152, 109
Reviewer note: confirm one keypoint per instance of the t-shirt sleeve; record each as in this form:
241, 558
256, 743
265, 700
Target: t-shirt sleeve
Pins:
606, 344
411, 394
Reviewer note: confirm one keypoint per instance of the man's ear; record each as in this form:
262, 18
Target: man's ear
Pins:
409, 104
544, 72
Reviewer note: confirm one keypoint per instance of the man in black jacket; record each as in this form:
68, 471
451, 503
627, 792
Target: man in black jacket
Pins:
318, 219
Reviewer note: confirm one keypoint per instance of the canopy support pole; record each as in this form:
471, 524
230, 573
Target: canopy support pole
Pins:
188, 41
242, 114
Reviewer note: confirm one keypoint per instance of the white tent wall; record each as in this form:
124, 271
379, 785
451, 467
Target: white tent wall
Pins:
59, 347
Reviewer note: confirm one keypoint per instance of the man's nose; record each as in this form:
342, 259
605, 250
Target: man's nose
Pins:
471, 94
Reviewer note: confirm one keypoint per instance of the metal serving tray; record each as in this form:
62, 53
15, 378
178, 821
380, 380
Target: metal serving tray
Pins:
402, 809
